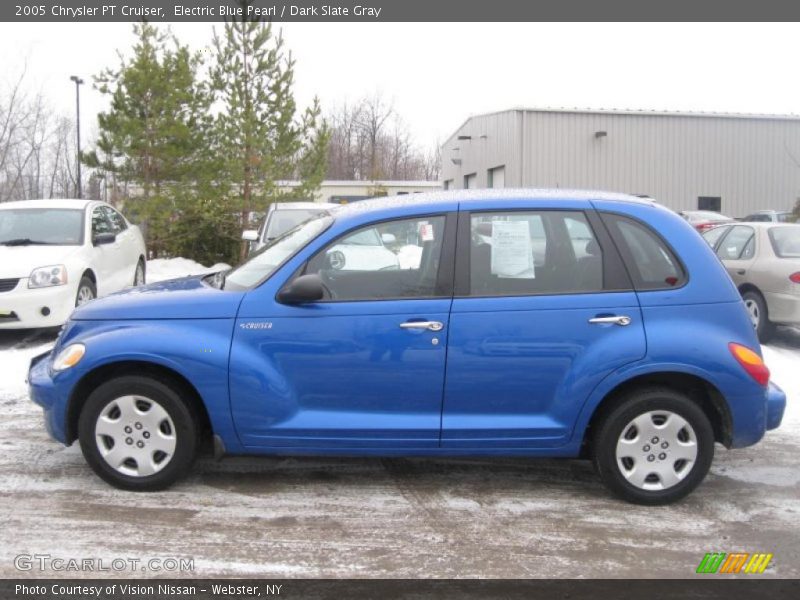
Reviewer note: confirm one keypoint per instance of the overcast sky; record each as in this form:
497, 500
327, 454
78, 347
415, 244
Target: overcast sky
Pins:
439, 74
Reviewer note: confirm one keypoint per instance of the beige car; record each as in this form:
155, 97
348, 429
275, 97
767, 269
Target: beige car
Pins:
763, 259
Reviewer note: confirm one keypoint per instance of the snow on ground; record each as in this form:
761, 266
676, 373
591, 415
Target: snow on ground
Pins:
784, 366
160, 269
14, 363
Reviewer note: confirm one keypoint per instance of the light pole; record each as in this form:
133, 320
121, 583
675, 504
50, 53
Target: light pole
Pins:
78, 82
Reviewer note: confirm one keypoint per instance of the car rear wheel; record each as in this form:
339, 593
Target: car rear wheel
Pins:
86, 291
654, 447
759, 316
137, 434
138, 276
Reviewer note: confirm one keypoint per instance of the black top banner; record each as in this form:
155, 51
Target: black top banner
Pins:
370, 11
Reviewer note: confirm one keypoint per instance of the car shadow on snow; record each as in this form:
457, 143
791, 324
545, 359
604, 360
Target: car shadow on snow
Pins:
19, 339
786, 337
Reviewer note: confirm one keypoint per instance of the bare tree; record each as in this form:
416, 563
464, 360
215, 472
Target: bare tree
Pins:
370, 141
37, 152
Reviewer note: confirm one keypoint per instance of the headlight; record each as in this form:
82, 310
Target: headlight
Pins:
69, 357
48, 276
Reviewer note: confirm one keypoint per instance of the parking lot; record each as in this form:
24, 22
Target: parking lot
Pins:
306, 517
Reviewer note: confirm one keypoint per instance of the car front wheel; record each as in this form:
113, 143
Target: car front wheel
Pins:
654, 447
137, 433
86, 291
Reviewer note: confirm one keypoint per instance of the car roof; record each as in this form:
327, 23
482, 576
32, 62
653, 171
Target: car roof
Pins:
768, 224
466, 197
78, 204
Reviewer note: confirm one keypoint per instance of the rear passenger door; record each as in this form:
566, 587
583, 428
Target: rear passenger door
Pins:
543, 311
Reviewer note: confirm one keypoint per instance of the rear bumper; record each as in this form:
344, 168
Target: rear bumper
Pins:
776, 404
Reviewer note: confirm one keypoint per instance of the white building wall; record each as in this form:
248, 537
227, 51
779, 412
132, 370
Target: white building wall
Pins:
751, 163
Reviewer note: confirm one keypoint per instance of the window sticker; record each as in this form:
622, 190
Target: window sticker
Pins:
512, 254
426, 231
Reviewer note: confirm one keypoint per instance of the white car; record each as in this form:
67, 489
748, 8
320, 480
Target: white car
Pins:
363, 251
58, 254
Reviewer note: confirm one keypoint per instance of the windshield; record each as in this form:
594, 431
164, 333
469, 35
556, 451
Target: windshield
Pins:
48, 226
786, 241
282, 221
262, 263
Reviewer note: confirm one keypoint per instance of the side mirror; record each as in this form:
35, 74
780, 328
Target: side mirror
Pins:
251, 235
104, 238
388, 238
304, 289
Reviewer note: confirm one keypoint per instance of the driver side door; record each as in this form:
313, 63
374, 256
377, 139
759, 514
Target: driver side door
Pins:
364, 367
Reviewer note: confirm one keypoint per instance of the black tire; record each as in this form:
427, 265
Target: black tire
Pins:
616, 422
143, 266
85, 285
186, 432
765, 329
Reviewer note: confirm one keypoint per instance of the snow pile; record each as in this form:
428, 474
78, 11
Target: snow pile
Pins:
782, 363
14, 369
161, 269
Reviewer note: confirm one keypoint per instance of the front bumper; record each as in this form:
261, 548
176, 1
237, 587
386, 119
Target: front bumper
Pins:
51, 397
21, 308
776, 404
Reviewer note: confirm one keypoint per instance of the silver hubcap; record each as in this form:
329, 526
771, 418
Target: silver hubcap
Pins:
755, 314
139, 277
656, 450
135, 436
84, 295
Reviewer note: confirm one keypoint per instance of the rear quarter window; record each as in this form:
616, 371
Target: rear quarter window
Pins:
651, 262
785, 241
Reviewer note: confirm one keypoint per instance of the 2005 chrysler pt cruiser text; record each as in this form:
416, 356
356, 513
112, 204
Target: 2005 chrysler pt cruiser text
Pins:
515, 323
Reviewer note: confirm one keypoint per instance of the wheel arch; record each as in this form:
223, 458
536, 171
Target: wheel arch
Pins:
88, 272
701, 391
108, 371
750, 287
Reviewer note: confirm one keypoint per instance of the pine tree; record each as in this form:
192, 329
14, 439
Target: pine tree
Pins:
153, 137
258, 129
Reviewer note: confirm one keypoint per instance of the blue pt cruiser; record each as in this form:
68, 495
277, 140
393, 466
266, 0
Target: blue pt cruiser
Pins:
514, 323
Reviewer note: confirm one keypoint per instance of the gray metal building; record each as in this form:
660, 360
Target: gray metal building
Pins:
731, 163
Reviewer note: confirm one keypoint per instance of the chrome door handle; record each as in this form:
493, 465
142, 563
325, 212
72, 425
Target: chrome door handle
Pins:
620, 320
429, 325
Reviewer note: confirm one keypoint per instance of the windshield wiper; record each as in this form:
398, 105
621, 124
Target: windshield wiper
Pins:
24, 242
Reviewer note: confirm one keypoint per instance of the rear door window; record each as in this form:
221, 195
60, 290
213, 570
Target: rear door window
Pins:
533, 252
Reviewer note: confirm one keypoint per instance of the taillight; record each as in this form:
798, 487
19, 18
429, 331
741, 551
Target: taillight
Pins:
795, 277
751, 362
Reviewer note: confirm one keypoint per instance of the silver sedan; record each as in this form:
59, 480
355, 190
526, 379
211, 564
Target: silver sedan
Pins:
763, 259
